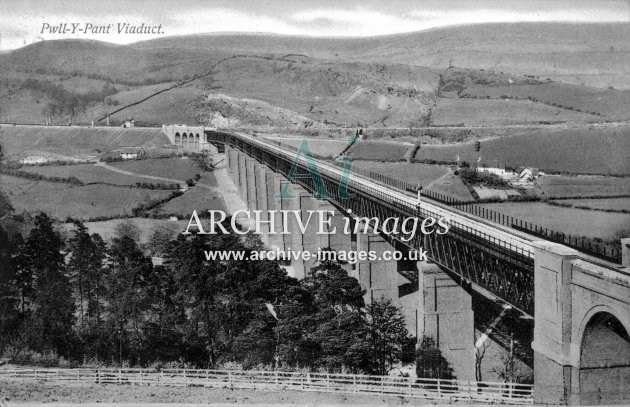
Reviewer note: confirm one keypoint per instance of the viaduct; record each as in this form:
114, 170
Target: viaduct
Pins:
578, 307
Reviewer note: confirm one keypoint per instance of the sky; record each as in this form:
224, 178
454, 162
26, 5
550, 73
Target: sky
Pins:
26, 21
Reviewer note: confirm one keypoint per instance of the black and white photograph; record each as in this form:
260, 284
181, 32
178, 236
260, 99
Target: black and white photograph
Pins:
314, 203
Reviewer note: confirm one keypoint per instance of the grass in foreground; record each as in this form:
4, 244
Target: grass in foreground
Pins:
30, 391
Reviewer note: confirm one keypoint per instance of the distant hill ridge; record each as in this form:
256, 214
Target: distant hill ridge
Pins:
570, 52
387, 81
581, 36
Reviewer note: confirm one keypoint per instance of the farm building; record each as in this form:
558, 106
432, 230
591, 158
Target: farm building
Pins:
527, 174
130, 153
129, 123
33, 159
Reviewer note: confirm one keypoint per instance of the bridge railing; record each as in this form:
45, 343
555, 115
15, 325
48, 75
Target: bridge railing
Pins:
440, 389
608, 251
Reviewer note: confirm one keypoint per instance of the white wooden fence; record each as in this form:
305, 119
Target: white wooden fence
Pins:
455, 390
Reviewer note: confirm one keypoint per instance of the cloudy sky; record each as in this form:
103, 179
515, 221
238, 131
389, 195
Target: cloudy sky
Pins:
21, 21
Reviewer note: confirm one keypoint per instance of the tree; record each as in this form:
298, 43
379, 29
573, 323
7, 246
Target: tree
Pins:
429, 361
53, 315
23, 274
386, 335
480, 352
85, 266
333, 286
160, 239
96, 277
164, 318
9, 296
198, 287
127, 296
129, 229
321, 325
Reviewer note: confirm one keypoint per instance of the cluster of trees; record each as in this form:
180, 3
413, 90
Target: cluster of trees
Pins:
64, 102
471, 176
87, 300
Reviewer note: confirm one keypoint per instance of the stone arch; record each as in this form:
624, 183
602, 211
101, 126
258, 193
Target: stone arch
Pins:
178, 139
597, 309
185, 140
604, 373
197, 141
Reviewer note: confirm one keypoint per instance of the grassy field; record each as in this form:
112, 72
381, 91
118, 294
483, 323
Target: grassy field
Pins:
21, 392
568, 220
81, 142
584, 186
203, 196
595, 150
82, 202
614, 204
378, 151
86, 173
323, 148
490, 112
452, 186
198, 198
174, 167
433, 177
611, 103
420, 174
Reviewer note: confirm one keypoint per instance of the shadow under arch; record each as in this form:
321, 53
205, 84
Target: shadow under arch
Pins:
604, 374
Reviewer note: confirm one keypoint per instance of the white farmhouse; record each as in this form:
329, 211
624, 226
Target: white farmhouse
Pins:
130, 153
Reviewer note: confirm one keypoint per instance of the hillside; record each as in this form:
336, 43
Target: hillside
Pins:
83, 57
438, 77
73, 142
593, 54
100, 60
314, 91
587, 150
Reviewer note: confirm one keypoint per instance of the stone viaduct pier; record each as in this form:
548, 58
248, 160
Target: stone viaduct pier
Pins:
578, 307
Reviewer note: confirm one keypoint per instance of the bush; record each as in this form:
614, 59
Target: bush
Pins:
47, 359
